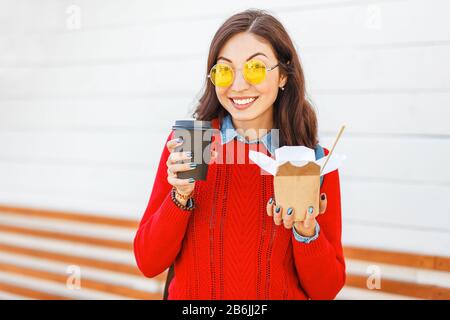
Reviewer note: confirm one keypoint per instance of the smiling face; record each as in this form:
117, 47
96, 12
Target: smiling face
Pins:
245, 101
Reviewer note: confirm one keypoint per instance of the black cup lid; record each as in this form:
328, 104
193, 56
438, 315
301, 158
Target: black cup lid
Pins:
192, 124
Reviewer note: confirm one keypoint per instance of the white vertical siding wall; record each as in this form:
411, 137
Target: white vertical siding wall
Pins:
84, 113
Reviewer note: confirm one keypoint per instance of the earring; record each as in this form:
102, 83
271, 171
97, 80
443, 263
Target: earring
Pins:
282, 88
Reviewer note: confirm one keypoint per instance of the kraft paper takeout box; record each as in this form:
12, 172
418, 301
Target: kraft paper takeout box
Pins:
296, 176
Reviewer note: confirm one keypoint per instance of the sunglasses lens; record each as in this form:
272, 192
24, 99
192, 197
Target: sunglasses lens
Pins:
221, 75
255, 71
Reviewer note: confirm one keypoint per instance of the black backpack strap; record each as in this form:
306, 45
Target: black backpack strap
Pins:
170, 275
320, 153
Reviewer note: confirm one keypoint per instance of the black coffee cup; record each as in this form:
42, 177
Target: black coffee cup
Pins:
197, 137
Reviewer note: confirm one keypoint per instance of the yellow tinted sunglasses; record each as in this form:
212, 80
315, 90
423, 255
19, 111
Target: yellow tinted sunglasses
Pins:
254, 72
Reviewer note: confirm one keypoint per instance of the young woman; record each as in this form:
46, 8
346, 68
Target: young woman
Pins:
226, 236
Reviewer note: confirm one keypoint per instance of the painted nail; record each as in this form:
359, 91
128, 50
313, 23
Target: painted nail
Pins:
310, 210
270, 201
180, 139
323, 196
189, 154
191, 180
289, 211
193, 165
277, 210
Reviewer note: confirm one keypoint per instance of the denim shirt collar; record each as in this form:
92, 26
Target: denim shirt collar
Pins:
228, 133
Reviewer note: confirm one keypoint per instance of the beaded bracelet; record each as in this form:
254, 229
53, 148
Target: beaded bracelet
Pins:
182, 196
190, 205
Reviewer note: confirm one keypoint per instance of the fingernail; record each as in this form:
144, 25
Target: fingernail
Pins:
277, 210
189, 154
311, 210
180, 139
191, 180
289, 211
193, 165
323, 196
270, 201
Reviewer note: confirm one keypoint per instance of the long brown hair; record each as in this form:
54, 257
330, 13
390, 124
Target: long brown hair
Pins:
293, 114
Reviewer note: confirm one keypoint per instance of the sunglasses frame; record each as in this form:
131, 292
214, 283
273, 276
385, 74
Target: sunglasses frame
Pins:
268, 69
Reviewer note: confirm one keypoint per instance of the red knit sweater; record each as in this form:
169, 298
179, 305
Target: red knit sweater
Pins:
228, 247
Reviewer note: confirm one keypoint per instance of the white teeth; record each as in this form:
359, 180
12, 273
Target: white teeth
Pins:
244, 101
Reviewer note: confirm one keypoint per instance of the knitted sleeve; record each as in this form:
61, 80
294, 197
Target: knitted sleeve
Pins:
162, 228
320, 264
